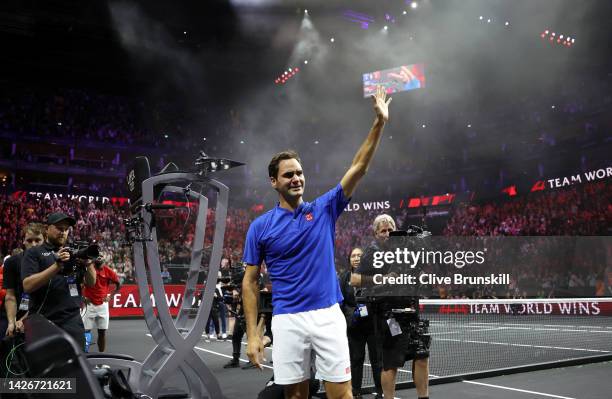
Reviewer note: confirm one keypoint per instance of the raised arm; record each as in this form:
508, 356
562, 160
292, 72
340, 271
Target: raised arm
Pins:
364, 155
34, 281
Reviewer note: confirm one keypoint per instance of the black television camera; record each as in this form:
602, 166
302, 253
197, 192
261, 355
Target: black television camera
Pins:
80, 251
231, 283
400, 315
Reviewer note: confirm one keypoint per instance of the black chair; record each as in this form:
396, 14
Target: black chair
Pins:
53, 353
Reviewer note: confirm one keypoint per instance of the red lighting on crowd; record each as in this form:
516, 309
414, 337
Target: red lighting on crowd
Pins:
562, 40
286, 75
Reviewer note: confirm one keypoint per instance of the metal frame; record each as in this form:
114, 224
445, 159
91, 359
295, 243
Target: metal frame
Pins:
174, 338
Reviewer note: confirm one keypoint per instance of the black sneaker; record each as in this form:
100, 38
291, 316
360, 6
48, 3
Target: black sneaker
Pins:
232, 364
249, 365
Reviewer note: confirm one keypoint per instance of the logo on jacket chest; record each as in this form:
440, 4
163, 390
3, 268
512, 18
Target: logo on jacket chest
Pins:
309, 217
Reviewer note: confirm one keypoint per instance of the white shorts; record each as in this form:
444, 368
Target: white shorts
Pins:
297, 335
96, 317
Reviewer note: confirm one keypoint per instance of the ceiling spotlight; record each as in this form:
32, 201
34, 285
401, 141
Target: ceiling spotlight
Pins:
241, 141
386, 27
573, 40
289, 69
305, 61
316, 141
489, 20
546, 31
424, 126
184, 32
470, 125
305, 11
480, 18
404, 12
552, 106
560, 36
552, 34
332, 40
414, 4
507, 23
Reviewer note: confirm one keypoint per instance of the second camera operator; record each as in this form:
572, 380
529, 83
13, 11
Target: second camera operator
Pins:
52, 276
399, 344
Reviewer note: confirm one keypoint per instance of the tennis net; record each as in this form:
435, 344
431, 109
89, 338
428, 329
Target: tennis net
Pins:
473, 338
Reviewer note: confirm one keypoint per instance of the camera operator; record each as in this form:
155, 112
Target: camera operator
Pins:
52, 275
96, 301
396, 349
16, 302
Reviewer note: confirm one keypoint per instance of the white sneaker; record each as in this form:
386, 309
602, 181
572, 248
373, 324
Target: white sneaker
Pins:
224, 336
205, 336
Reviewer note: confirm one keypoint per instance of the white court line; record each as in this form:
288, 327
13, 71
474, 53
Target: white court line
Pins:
229, 357
530, 325
431, 375
518, 390
565, 329
245, 344
462, 332
409, 372
522, 345
222, 354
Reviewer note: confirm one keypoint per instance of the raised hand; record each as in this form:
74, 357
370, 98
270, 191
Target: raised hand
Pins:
381, 104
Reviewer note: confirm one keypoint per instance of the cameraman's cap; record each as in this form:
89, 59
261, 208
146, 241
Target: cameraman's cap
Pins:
56, 217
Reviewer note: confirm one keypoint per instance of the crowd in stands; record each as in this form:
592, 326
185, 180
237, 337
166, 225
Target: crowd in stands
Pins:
580, 210
75, 114
541, 122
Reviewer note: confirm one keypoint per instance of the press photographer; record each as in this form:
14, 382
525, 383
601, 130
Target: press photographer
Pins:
52, 275
400, 332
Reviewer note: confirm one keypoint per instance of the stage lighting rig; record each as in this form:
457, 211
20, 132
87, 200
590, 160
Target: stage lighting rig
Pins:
288, 74
558, 38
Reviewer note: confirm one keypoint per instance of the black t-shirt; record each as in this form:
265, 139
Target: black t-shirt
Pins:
348, 291
53, 300
12, 279
366, 264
